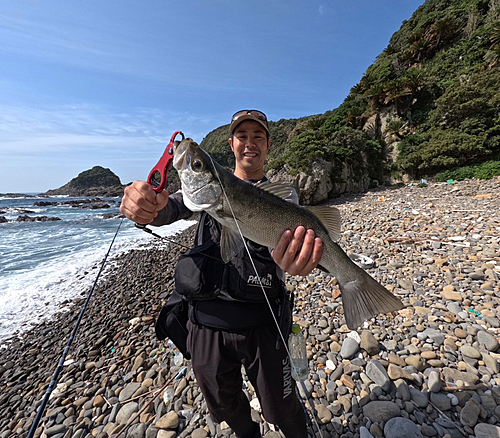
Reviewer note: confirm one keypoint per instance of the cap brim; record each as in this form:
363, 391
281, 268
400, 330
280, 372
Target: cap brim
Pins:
245, 117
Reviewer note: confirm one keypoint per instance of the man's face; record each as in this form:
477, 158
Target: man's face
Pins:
250, 146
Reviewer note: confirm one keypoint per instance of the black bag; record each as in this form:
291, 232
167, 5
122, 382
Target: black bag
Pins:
199, 272
243, 283
171, 323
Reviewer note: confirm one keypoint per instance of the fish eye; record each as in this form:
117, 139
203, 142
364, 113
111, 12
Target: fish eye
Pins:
197, 164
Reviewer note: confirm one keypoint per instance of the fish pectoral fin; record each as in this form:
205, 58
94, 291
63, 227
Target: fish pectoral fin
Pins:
278, 189
330, 217
231, 244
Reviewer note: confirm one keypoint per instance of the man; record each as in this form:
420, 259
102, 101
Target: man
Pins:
232, 328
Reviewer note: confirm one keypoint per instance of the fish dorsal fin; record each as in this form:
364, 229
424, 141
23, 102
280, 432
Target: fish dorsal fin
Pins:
231, 244
281, 190
330, 217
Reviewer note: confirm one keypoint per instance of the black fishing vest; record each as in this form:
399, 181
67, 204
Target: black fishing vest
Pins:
201, 274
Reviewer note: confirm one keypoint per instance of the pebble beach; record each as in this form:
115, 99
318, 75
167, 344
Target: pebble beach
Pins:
429, 370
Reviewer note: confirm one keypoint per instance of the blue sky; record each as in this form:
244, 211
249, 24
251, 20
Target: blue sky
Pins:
85, 83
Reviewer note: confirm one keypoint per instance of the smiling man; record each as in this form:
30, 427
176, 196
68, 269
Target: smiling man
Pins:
231, 324
250, 144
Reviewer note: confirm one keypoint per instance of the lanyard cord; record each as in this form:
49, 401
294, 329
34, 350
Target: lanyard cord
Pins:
265, 295
59, 368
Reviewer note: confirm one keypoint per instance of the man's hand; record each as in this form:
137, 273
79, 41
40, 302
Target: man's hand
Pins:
298, 253
141, 203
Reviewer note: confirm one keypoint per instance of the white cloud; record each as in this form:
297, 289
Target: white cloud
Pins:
53, 144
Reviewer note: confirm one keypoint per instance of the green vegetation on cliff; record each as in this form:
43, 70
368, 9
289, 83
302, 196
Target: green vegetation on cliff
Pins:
428, 104
96, 177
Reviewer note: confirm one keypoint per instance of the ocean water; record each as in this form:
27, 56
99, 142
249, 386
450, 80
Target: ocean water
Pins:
43, 264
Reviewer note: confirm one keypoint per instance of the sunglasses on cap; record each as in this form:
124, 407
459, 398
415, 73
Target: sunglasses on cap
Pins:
256, 113
241, 116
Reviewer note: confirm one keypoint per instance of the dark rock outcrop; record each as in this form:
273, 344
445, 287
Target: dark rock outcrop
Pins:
98, 181
26, 218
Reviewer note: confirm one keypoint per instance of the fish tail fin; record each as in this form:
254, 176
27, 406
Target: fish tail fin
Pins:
364, 298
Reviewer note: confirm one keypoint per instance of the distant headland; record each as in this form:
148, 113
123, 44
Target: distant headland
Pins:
98, 181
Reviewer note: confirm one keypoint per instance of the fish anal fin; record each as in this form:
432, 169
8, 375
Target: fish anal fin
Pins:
330, 217
365, 298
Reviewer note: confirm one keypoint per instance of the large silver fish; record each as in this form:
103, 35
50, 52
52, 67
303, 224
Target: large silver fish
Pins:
263, 215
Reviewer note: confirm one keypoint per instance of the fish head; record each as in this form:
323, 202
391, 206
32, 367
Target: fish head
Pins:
200, 186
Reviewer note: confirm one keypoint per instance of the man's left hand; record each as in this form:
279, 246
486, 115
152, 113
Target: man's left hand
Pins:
298, 253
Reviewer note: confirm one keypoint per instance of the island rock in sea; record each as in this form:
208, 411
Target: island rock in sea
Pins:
98, 181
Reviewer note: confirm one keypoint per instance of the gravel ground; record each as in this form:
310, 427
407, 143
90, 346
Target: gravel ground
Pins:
431, 370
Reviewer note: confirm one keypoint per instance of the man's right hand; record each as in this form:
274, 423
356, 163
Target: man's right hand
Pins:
141, 204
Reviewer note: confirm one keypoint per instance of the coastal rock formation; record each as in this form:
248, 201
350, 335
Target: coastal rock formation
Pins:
323, 182
26, 218
98, 181
92, 203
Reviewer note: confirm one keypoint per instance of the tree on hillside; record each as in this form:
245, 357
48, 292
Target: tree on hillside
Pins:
492, 57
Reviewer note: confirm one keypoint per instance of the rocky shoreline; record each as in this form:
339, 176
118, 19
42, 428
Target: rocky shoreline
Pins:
432, 370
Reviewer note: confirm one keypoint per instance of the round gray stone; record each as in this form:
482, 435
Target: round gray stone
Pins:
379, 410
441, 401
488, 340
484, 430
376, 372
126, 411
401, 427
403, 389
128, 391
454, 307
434, 382
364, 433
137, 430
469, 351
421, 399
349, 348
434, 335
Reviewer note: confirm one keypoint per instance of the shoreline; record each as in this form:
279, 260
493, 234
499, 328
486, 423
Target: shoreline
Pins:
437, 247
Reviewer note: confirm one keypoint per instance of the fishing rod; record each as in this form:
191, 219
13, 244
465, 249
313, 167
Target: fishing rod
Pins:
59, 368
157, 179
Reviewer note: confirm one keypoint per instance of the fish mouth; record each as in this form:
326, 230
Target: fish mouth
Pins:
181, 151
